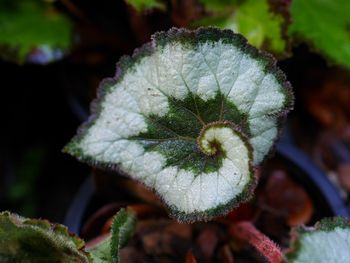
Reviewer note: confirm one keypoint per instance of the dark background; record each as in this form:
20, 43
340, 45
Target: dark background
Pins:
42, 106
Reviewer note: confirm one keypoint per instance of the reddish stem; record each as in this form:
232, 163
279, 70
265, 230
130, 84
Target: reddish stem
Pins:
246, 231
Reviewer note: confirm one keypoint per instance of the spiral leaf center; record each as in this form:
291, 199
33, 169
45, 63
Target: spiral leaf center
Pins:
216, 138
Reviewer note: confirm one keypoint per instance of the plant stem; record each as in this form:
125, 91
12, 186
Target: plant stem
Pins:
246, 231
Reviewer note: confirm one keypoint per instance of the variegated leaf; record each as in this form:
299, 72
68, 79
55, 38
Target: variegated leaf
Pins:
188, 115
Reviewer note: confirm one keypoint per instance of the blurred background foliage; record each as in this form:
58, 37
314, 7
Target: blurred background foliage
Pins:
53, 54
39, 31
33, 31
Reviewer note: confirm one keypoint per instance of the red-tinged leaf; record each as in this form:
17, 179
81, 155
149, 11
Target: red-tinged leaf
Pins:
96, 223
141, 210
244, 212
107, 226
207, 241
190, 258
146, 211
246, 231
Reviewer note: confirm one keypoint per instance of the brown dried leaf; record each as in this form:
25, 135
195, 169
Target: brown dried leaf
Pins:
181, 230
343, 173
185, 11
131, 255
287, 199
164, 237
225, 254
158, 243
328, 98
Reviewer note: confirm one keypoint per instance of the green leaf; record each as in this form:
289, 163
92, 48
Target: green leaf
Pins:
253, 19
328, 241
34, 241
122, 229
101, 253
325, 24
219, 6
31, 30
259, 25
188, 115
143, 5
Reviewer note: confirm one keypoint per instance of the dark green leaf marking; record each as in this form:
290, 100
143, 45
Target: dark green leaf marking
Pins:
174, 135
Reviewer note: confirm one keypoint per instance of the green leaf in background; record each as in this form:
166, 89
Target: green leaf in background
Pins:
325, 24
218, 6
259, 25
22, 193
143, 5
122, 229
25, 240
253, 19
32, 31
